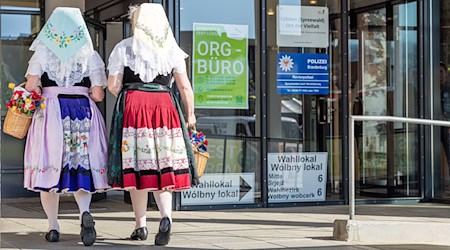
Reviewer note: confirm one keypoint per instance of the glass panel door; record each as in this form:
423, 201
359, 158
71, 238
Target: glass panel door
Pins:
384, 82
222, 41
19, 24
304, 103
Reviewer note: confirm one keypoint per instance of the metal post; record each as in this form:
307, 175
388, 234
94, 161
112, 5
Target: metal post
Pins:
351, 173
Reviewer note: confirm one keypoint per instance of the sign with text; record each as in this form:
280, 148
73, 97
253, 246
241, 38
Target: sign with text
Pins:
229, 188
289, 20
313, 28
220, 66
297, 177
305, 74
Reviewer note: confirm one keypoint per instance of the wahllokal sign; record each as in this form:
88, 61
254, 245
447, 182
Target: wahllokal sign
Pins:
297, 177
213, 189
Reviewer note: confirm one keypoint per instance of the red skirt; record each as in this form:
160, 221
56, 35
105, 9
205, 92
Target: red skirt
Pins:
153, 149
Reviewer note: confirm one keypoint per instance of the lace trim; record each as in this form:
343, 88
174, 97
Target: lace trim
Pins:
80, 126
65, 74
76, 139
152, 164
146, 62
73, 160
152, 133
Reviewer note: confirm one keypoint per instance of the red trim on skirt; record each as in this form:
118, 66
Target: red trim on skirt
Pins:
169, 181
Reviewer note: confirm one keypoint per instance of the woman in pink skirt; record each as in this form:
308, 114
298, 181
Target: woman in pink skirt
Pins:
149, 147
66, 148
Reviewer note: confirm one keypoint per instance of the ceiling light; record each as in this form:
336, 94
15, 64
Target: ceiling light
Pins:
270, 12
313, 1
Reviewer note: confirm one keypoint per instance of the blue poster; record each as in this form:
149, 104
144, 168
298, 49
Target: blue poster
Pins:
304, 74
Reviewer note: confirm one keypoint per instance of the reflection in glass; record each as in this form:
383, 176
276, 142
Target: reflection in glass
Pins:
20, 5
384, 82
307, 123
17, 33
233, 134
441, 177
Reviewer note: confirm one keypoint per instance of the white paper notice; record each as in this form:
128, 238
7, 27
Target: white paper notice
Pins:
313, 31
289, 20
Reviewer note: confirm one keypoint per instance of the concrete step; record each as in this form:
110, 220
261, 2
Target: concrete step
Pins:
392, 232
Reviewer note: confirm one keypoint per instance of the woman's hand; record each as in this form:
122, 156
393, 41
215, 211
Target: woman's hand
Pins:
191, 120
97, 93
32, 83
115, 84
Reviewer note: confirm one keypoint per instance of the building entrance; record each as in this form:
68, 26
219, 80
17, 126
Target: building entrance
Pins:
384, 81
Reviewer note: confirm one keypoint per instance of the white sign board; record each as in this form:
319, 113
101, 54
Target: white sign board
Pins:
216, 189
289, 20
297, 177
314, 28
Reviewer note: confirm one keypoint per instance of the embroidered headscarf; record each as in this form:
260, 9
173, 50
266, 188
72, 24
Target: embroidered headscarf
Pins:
154, 46
63, 48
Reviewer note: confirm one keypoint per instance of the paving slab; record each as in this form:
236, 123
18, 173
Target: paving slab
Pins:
23, 225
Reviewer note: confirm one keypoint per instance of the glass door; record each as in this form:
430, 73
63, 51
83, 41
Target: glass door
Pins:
304, 99
384, 70
20, 22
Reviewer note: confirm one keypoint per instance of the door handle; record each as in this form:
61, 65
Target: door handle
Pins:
322, 111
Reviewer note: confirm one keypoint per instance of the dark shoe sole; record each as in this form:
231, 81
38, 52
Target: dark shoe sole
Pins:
139, 234
52, 236
163, 236
88, 233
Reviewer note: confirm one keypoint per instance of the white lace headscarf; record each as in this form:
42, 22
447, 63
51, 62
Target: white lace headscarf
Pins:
154, 46
64, 50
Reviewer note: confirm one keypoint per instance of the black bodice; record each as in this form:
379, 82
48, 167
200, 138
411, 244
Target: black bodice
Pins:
129, 77
47, 82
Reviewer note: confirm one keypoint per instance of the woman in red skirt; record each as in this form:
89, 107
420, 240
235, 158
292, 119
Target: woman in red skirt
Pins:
149, 147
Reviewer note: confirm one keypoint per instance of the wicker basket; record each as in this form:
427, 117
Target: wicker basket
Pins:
16, 124
201, 158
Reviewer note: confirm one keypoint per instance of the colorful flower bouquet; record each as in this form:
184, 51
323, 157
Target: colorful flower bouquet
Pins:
24, 102
198, 140
21, 108
199, 143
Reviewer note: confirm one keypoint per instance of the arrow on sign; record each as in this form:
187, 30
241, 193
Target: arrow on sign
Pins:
243, 188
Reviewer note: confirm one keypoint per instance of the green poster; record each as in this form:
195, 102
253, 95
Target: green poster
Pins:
220, 69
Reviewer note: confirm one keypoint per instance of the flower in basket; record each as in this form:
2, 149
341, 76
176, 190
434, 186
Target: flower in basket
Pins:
198, 140
24, 102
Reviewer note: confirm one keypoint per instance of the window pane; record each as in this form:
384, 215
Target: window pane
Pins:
303, 119
222, 48
384, 81
442, 170
15, 26
17, 33
29, 5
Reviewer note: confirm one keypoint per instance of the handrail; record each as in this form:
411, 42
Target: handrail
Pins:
354, 118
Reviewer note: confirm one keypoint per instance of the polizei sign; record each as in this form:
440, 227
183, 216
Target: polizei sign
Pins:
221, 189
297, 177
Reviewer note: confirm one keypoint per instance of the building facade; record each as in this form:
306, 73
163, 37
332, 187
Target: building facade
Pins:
275, 83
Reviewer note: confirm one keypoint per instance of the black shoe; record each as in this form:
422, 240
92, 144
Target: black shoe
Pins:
163, 236
52, 236
88, 233
139, 234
